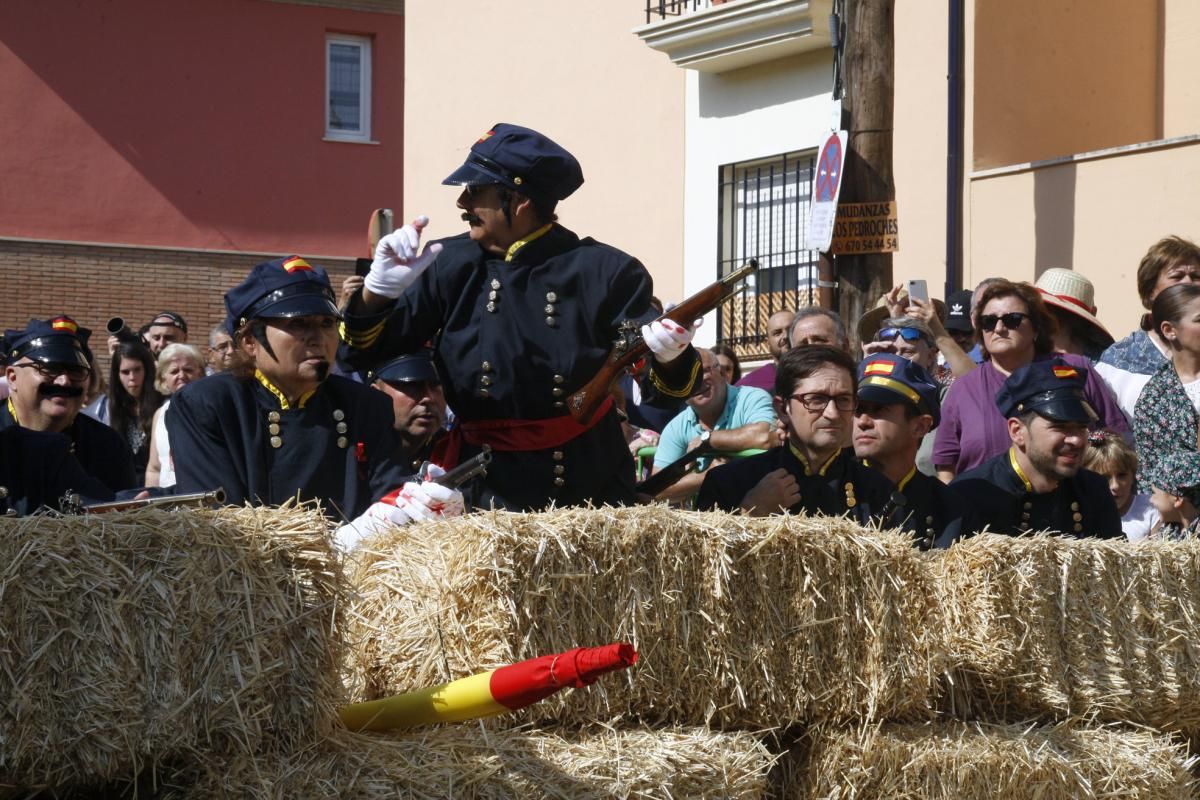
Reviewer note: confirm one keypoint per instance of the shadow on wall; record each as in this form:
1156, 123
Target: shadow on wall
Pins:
741, 91
1054, 217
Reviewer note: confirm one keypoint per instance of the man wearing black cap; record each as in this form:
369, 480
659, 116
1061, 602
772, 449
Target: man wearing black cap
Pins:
958, 320
47, 368
528, 313
166, 328
813, 473
897, 406
418, 403
291, 428
1039, 483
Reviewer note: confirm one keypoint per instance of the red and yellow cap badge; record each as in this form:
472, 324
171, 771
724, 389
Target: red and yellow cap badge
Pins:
1065, 372
65, 324
879, 368
296, 264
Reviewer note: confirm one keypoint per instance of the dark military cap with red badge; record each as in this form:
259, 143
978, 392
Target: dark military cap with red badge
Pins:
60, 340
283, 287
885, 378
521, 159
1052, 388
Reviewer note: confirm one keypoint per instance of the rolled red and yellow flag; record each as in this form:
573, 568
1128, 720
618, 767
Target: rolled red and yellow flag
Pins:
494, 692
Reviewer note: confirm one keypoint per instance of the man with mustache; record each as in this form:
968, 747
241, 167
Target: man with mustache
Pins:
1039, 485
413, 385
47, 368
527, 313
812, 473
290, 428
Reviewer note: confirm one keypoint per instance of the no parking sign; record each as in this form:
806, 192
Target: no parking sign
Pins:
827, 184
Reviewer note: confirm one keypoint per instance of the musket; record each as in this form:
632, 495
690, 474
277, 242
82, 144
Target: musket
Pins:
196, 500
629, 346
468, 469
671, 474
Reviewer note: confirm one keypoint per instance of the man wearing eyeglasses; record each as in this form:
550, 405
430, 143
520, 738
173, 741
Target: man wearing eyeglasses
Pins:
813, 473
527, 312
47, 369
1039, 484
898, 405
413, 385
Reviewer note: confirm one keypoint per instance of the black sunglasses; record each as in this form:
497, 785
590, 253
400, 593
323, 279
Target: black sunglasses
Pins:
1012, 320
907, 334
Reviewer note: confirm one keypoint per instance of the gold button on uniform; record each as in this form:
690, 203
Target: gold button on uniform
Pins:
341, 427
557, 455
559, 404
495, 283
549, 309
559, 379
559, 481
559, 469
342, 442
557, 392
484, 393
273, 416
492, 295
276, 442
486, 366
338, 414
552, 322
486, 380
273, 429
551, 297
491, 307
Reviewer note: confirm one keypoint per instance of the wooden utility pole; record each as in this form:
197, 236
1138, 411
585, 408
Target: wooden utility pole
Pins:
869, 71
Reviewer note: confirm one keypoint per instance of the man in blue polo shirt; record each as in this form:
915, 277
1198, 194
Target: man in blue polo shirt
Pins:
727, 418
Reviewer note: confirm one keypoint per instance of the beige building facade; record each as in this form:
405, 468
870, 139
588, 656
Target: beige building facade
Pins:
697, 128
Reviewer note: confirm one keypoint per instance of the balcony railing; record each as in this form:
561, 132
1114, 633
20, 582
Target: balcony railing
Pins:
661, 9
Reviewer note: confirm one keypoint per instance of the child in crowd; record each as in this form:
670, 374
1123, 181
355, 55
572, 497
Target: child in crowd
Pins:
1111, 456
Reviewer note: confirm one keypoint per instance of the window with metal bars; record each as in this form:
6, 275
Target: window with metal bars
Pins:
763, 211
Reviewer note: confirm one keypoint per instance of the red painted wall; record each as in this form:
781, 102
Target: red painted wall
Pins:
190, 124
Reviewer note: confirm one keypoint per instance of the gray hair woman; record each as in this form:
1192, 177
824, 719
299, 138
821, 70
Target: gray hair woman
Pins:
178, 365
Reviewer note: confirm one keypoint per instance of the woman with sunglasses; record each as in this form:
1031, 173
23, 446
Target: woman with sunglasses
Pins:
1014, 329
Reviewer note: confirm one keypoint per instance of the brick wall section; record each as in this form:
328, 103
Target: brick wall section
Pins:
92, 283
377, 6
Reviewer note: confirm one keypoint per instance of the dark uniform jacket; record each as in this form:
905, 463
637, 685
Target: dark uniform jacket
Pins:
37, 470
1003, 500
934, 513
842, 484
240, 434
102, 451
517, 338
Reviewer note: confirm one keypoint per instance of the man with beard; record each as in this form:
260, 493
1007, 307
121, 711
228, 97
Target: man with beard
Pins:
1039, 485
726, 418
897, 407
418, 404
527, 313
812, 473
778, 326
291, 429
47, 368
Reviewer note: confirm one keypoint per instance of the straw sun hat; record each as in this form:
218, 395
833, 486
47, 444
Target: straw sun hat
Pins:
1069, 291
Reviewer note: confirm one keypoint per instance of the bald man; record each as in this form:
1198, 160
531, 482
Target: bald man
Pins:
778, 326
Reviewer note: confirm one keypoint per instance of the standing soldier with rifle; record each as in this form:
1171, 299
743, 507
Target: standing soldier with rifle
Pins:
527, 314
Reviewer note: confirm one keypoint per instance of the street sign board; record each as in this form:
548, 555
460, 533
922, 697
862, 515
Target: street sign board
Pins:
866, 228
827, 184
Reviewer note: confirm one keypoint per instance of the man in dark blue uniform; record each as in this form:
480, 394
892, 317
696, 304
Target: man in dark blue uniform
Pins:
412, 383
47, 367
814, 472
290, 428
527, 314
897, 406
1039, 485
37, 470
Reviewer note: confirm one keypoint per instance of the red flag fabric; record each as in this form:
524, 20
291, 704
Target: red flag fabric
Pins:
527, 682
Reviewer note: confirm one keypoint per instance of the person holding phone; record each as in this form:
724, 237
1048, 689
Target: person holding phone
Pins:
1015, 329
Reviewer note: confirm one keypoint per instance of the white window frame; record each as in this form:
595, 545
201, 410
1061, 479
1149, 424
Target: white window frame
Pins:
363, 43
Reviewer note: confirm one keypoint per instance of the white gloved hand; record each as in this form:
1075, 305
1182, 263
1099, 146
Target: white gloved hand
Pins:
667, 338
380, 516
397, 263
411, 502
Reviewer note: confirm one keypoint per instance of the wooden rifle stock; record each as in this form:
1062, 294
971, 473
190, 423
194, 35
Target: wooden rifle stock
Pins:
629, 347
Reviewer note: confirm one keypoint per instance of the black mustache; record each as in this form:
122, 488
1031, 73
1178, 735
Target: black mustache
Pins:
54, 390
468, 217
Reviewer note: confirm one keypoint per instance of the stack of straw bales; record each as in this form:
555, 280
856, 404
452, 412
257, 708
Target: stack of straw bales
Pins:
141, 639
739, 622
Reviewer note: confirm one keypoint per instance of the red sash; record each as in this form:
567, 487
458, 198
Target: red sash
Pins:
513, 435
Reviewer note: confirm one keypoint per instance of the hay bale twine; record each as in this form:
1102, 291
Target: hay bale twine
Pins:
977, 761
469, 762
1050, 627
131, 639
739, 622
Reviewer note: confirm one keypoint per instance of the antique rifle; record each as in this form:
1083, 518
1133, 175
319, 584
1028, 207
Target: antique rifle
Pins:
195, 500
629, 347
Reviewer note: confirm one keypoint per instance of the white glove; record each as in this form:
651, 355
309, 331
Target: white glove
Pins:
396, 263
411, 502
667, 338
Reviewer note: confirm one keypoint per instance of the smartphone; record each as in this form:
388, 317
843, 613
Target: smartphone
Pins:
918, 290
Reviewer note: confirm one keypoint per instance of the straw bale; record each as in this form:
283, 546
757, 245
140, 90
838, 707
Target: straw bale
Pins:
469, 761
1051, 627
739, 622
969, 761
133, 638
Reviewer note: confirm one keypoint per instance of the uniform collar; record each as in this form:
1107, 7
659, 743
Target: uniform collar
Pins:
1016, 468
12, 410
804, 462
903, 481
517, 245
279, 395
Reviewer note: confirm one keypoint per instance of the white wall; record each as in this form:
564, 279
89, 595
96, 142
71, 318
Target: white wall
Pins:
751, 113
